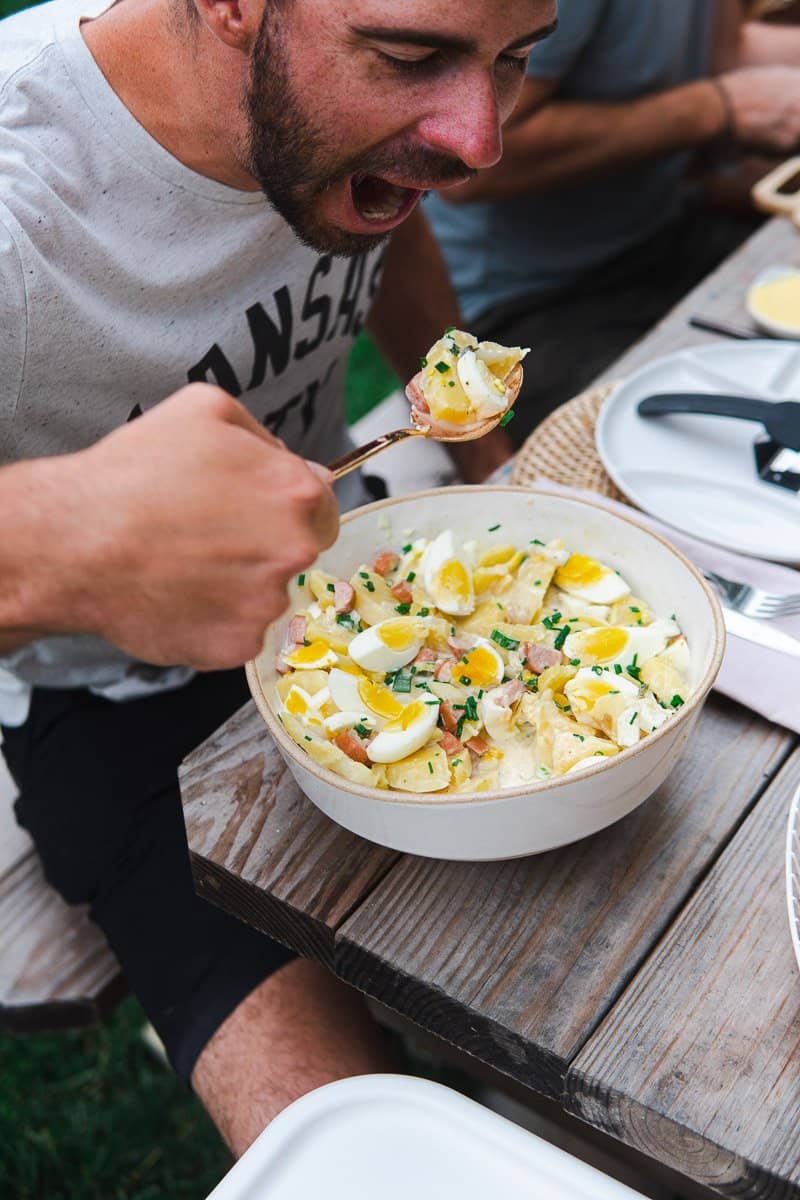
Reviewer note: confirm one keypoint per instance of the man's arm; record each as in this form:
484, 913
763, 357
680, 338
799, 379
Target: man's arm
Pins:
415, 304
174, 537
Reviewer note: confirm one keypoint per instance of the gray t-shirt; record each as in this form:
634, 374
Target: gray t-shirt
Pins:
603, 50
124, 275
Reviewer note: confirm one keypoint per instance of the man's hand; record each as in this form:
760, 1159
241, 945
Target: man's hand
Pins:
764, 106
182, 532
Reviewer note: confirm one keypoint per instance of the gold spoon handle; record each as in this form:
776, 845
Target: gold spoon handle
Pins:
353, 460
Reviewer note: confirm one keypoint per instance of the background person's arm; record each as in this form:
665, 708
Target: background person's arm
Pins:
414, 305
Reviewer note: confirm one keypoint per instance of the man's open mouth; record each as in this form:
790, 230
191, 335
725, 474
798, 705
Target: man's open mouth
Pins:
378, 201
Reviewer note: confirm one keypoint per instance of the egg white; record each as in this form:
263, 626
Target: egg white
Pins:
438, 553
395, 742
369, 651
644, 641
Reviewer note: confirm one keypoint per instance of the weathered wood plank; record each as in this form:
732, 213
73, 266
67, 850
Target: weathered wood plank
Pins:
517, 962
697, 1065
720, 296
56, 970
262, 850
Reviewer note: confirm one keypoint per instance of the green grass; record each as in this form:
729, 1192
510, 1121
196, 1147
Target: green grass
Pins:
92, 1116
369, 379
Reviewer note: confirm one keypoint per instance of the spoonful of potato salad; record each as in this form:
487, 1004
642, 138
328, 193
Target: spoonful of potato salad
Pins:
465, 388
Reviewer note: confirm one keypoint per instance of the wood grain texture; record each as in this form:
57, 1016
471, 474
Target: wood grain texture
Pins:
518, 962
261, 850
720, 296
698, 1064
56, 970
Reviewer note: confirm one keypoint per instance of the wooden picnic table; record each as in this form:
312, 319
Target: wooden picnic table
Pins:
642, 979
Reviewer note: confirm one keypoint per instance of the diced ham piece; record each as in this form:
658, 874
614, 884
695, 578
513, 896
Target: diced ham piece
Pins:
344, 597
426, 655
509, 693
402, 592
459, 646
538, 658
352, 747
385, 562
478, 745
449, 716
297, 630
444, 671
416, 398
451, 745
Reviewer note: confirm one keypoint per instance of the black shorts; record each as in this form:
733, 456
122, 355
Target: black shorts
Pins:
99, 795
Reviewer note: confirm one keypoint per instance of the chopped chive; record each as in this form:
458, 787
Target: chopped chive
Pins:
442, 367
403, 609
676, 701
450, 329
363, 575
493, 528
330, 587
506, 642
423, 612
369, 585
617, 668
301, 580
306, 642
537, 583
465, 679
407, 548
561, 637
633, 718
451, 383
456, 762
579, 736
411, 576
632, 609
576, 662
308, 739
508, 417
361, 730
598, 754
536, 542
430, 766
423, 362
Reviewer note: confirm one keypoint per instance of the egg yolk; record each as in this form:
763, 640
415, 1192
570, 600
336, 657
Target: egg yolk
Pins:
602, 643
480, 668
380, 699
398, 634
411, 713
579, 571
296, 703
779, 300
453, 580
585, 695
304, 656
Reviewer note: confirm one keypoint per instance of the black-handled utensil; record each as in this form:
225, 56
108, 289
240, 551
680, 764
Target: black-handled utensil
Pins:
781, 420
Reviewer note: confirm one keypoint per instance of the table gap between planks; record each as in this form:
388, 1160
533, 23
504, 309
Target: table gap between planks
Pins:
642, 978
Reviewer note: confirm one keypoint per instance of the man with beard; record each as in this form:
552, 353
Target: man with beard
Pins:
150, 540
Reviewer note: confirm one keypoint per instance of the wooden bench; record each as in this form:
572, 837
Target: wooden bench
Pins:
56, 970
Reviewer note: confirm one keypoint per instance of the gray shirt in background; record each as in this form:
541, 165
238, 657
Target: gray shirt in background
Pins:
603, 50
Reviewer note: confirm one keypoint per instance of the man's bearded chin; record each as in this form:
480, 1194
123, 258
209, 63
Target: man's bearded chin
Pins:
290, 157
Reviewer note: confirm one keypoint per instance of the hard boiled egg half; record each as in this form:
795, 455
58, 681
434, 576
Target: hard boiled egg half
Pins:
589, 580
388, 645
406, 733
619, 643
447, 576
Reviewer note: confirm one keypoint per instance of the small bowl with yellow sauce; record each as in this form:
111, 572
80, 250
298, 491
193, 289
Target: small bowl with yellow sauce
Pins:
773, 301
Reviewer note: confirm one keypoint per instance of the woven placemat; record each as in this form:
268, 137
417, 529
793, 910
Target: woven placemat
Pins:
563, 448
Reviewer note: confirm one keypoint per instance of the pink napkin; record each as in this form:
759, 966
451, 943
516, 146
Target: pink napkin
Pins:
762, 679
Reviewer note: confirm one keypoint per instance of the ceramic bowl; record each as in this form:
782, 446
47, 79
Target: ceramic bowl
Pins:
778, 329
538, 816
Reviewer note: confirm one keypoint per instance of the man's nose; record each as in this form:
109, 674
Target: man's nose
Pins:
466, 124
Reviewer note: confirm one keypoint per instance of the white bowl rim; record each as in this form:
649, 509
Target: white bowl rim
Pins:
533, 788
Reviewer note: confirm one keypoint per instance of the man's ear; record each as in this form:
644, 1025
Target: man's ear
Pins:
235, 22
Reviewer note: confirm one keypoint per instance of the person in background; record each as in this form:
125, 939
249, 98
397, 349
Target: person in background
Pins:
199, 193
588, 231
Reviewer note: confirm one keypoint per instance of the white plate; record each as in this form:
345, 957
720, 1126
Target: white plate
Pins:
793, 873
696, 472
394, 1137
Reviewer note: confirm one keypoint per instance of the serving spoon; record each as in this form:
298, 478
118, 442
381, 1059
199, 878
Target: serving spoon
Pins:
425, 426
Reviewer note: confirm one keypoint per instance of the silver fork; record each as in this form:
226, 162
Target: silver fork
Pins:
753, 601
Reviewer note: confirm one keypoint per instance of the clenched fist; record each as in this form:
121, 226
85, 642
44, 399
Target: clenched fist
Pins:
764, 106
184, 529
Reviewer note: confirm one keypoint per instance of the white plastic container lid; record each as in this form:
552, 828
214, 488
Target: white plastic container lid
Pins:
396, 1138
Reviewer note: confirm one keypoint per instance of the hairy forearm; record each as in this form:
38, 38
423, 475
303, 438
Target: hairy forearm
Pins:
416, 301
566, 142
40, 552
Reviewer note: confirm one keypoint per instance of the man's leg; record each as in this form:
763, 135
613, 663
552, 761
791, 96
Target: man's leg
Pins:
251, 1027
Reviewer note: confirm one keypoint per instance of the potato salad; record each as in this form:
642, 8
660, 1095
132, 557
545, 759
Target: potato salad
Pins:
448, 666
